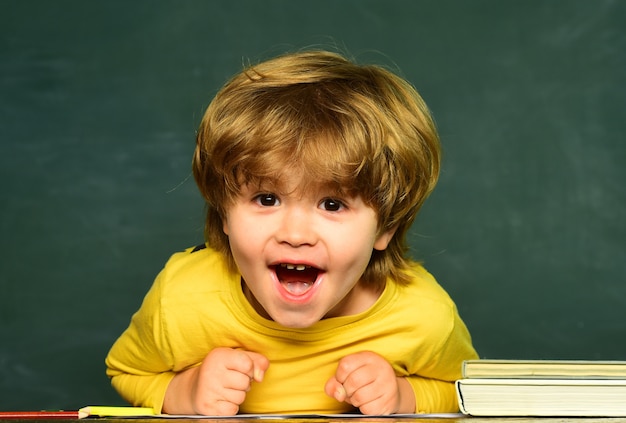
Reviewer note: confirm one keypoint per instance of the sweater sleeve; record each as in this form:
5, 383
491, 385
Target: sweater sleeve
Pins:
433, 396
443, 343
139, 362
434, 387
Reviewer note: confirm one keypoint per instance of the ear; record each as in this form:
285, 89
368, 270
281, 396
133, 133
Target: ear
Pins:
225, 225
384, 239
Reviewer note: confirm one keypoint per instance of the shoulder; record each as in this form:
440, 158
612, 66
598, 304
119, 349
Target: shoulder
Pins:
193, 281
424, 303
424, 287
195, 258
432, 319
194, 269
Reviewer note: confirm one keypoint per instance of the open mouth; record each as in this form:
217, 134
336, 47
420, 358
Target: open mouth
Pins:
297, 279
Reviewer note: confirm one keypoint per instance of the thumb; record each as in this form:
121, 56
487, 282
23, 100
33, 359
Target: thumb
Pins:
260, 365
335, 390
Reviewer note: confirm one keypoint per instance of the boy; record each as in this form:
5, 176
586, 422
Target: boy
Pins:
302, 300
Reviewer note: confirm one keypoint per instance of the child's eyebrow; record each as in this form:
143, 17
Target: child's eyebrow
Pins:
333, 191
277, 185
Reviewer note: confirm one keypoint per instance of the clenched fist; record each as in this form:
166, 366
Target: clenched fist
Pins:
218, 386
367, 381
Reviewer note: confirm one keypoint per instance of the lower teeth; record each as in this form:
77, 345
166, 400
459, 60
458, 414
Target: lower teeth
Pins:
297, 287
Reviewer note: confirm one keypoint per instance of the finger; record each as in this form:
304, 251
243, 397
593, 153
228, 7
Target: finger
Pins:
233, 396
237, 381
217, 407
364, 394
242, 362
238, 371
260, 364
335, 390
359, 381
349, 364
376, 401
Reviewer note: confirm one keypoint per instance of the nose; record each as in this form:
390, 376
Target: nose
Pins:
297, 227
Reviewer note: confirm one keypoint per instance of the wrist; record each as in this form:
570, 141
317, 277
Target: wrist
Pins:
179, 393
406, 401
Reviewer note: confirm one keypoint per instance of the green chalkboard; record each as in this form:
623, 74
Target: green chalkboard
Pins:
99, 102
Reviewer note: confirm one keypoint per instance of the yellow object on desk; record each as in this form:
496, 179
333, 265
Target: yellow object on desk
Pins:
106, 411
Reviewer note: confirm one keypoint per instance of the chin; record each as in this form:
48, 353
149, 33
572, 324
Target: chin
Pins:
295, 322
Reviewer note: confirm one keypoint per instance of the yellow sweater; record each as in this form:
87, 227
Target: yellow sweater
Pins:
196, 305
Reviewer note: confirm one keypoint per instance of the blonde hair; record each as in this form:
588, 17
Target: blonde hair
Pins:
358, 128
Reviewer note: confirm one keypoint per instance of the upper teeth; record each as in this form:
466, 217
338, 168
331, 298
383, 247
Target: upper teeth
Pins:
294, 266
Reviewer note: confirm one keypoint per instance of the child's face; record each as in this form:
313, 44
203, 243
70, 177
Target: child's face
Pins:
302, 254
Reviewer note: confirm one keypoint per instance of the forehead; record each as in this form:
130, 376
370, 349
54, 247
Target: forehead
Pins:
305, 162
296, 181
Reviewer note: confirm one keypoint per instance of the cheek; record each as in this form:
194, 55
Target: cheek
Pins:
356, 245
235, 222
243, 255
244, 238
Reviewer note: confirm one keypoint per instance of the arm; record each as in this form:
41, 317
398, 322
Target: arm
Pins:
140, 362
433, 381
435, 396
368, 382
145, 372
218, 386
423, 381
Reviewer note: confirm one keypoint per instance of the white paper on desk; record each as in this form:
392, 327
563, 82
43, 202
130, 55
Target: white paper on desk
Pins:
313, 416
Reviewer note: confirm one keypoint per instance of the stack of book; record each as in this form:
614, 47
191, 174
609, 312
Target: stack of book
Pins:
543, 388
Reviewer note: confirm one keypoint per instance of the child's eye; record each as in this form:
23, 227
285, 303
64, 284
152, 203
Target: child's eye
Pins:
267, 200
330, 204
